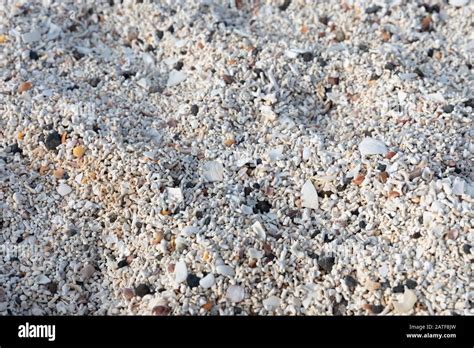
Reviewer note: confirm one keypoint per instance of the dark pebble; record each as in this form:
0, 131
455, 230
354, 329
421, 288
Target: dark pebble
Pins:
199, 215
19, 240
228, 79
33, 55
71, 232
160, 310
324, 20
448, 108
127, 74
431, 9
328, 238
376, 309
351, 282
419, 72
170, 29
194, 109
390, 66
416, 235
256, 186
373, 9
53, 140
77, 55
362, 224
52, 287
207, 221
160, 34
14, 149
382, 167
466, 248
340, 36
247, 191
113, 218
262, 207
398, 289
285, 5
469, 103
122, 263
178, 66
192, 280
411, 284
457, 170
430, 52
326, 263
307, 56
94, 82
142, 290
364, 48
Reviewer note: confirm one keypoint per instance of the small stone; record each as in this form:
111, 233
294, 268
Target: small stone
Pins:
142, 290
235, 293
178, 66
411, 284
3, 39
370, 146
207, 281
208, 306
362, 224
192, 280
383, 177
31, 36
64, 189
393, 194
333, 81
419, 72
160, 34
426, 23
359, 179
398, 289
33, 55
340, 36
371, 285
52, 287
128, 293
87, 271
175, 78
326, 263
53, 140
309, 196
469, 103
213, 171
58, 173
448, 108
351, 282
285, 5
78, 151
466, 248
390, 154
390, 66
373, 9
24, 87
180, 272
271, 303
225, 270
122, 263
376, 309
228, 79
408, 300
307, 56
262, 207
42, 279
194, 109
161, 310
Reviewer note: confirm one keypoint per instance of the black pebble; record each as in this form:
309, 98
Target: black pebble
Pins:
77, 55
324, 20
376, 309
466, 248
256, 186
307, 56
170, 29
14, 149
457, 170
258, 161
326, 263
398, 289
207, 221
373, 9
390, 66
416, 235
142, 290
19, 239
247, 191
192, 280
411, 284
362, 224
34, 55
381, 167
71, 232
127, 74
178, 66
430, 52
94, 81
199, 215
351, 282
285, 5
194, 109
262, 207
122, 263
419, 72
469, 102
448, 108
364, 48
160, 34
53, 140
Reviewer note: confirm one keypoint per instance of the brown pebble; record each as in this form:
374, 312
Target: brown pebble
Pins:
171, 267
158, 238
359, 179
386, 35
160, 310
393, 194
333, 81
228, 79
128, 293
390, 154
24, 87
252, 263
208, 305
383, 177
426, 23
